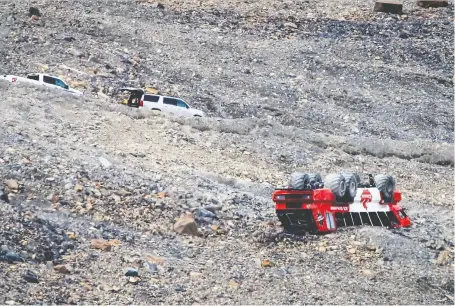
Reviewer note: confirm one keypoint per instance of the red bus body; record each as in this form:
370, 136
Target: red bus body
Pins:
317, 211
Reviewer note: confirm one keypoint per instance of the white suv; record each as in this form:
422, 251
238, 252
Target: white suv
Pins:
138, 98
42, 79
169, 104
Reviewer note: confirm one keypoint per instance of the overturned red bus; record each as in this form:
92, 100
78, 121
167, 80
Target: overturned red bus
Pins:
309, 206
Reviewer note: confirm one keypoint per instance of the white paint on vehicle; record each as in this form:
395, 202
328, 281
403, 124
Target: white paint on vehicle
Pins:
42, 79
363, 204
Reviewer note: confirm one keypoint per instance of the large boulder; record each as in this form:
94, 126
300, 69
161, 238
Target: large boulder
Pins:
186, 225
432, 3
389, 6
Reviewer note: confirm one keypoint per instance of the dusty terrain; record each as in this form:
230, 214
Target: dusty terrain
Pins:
314, 86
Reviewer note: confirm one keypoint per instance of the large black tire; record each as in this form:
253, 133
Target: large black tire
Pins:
299, 180
315, 177
386, 185
337, 184
351, 185
315, 180
357, 178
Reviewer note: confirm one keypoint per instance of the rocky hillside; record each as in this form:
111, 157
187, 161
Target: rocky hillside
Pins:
91, 190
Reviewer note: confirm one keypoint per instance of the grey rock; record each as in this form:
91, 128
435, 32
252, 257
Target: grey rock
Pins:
31, 277
132, 272
151, 267
12, 257
4, 248
213, 208
204, 213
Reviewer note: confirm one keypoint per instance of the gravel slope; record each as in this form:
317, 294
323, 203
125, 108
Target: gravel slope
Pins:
319, 86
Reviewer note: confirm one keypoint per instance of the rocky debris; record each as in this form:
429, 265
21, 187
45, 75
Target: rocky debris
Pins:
34, 18
154, 259
104, 162
31, 277
292, 84
33, 11
152, 268
204, 214
132, 272
29, 238
213, 208
389, 6
443, 257
158, 5
233, 284
133, 280
101, 244
186, 225
12, 185
12, 257
147, 254
266, 263
432, 3
196, 275
64, 269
